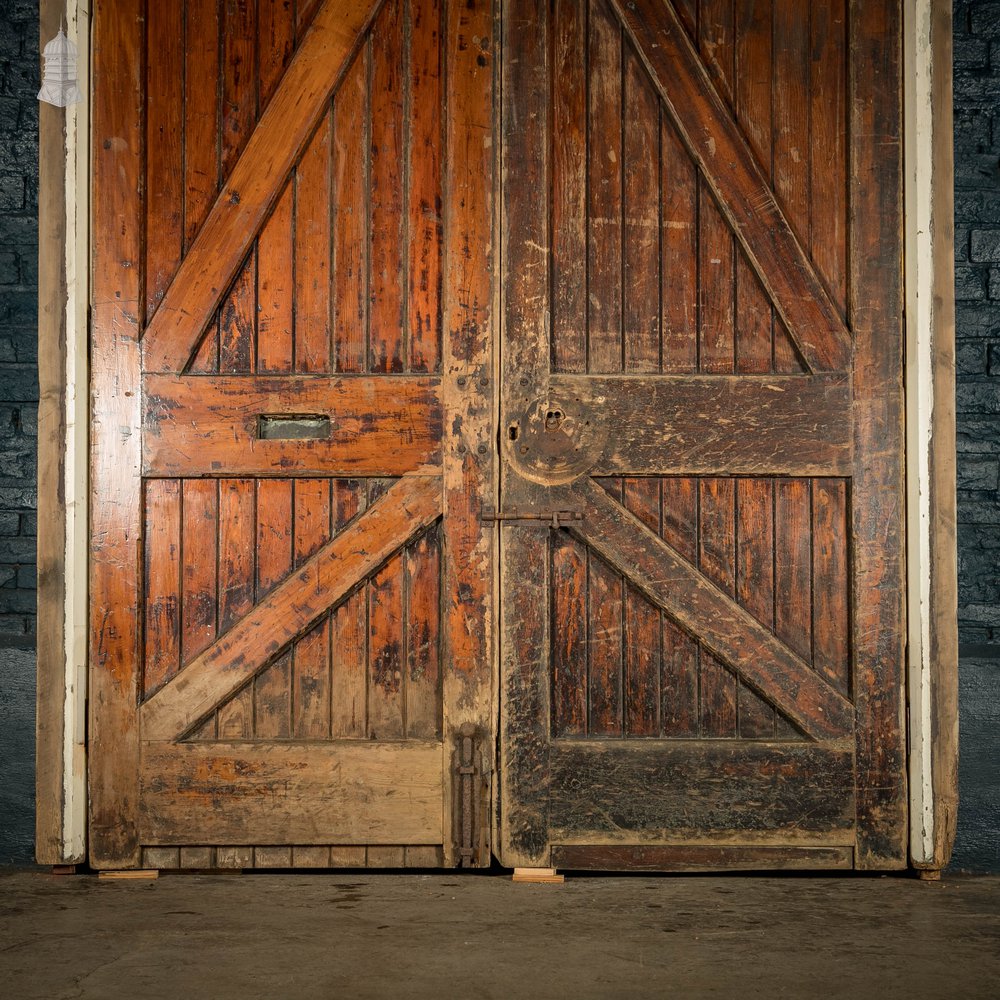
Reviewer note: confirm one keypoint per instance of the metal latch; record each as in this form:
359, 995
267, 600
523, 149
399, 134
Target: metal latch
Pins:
555, 518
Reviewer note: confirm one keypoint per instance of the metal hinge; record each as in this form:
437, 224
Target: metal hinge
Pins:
471, 821
555, 518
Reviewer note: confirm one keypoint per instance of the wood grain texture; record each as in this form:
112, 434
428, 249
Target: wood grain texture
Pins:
308, 793
524, 628
468, 387
291, 607
115, 421
254, 184
717, 425
877, 486
608, 792
203, 427
743, 193
701, 858
724, 628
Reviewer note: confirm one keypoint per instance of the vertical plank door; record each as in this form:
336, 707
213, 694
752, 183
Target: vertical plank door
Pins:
701, 506
291, 581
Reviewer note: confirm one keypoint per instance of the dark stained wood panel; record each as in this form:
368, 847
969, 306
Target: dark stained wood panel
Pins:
754, 538
603, 792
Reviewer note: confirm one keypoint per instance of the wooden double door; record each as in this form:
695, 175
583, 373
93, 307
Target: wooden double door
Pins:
496, 434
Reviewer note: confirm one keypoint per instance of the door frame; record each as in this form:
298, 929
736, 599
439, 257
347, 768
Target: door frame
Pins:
63, 477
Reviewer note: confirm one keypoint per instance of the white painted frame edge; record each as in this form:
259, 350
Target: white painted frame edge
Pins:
932, 631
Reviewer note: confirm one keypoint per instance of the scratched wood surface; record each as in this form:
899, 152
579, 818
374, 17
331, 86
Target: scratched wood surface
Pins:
682, 382
288, 282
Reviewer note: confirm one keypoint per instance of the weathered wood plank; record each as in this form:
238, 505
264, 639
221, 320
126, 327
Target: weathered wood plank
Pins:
386, 653
742, 191
237, 537
755, 587
700, 858
717, 561
116, 518
310, 793
239, 79
643, 664
291, 607
275, 45
725, 629
423, 638
679, 679
349, 688
310, 687
525, 678
386, 232
197, 426
877, 486
164, 149
254, 184
569, 186
657, 789
604, 190
721, 425
275, 540
641, 207
468, 382
162, 595
313, 342
201, 114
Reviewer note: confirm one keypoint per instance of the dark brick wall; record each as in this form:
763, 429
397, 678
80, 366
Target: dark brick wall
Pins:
977, 292
18, 316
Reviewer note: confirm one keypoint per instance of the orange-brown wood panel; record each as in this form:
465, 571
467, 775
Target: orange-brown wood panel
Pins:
237, 537
239, 78
275, 288
275, 44
387, 234
351, 168
312, 254
386, 656
755, 587
164, 149
238, 322
641, 684
201, 113
423, 638
311, 653
349, 623
275, 554
163, 582
199, 548
828, 144
425, 201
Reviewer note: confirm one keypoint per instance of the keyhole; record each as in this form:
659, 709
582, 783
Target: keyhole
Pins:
512, 432
553, 418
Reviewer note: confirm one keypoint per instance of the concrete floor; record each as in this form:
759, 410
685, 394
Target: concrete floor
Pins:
350, 935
